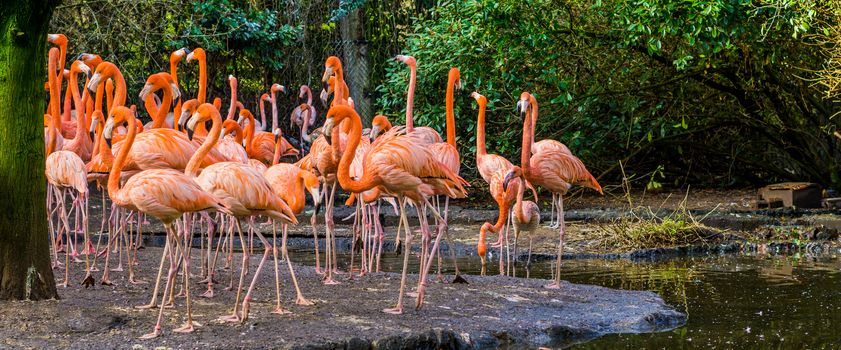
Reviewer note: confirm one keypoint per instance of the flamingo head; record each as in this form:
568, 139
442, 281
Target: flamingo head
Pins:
479, 98
57, 39
90, 59
96, 118
277, 135
119, 115
513, 173
331, 66
523, 104
312, 185
202, 114
197, 54
455, 76
187, 109
407, 60
379, 124
278, 87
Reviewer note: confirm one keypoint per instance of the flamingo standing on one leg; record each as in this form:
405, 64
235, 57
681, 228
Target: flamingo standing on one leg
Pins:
163, 193
403, 166
245, 191
552, 169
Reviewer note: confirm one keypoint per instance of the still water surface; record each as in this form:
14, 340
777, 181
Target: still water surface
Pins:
757, 301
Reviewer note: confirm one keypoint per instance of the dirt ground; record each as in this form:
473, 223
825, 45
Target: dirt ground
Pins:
488, 312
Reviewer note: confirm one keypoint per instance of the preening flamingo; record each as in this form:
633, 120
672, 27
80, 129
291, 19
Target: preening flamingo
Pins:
245, 191
165, 194
552, 169
401, 165
232, 148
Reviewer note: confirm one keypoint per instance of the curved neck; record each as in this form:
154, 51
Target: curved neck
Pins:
249, 132
163, 109
306, 125
68, 99
109, 95
232, 125
308, 92
481, 150
173, 68
527, 142
410, 98
55, 96
297, 199
451, 114
151, 107
81, 127
192, 168
518, 207
202, 97
277, 148
117, 168
62, 61
233, 108
533, 106
340, 91
274, 110
262, 112
369, 179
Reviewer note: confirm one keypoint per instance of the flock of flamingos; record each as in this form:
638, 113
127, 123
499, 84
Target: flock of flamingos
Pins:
189, 174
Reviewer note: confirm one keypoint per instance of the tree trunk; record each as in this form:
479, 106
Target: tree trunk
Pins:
25, 271
356, 61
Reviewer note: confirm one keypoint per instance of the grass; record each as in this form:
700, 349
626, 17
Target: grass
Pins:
645, 228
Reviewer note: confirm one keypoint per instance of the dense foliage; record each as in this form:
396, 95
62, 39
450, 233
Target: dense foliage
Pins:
712, 92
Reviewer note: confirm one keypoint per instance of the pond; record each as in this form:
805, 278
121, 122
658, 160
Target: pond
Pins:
733, 301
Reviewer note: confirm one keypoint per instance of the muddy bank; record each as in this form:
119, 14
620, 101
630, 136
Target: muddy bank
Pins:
489, 312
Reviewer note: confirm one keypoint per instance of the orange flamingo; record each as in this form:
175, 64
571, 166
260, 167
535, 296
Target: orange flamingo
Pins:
65, 170
446, 153
290, 182
261, 146
553, 170
163, 193
546, 145
428, 134
245, 191
492, 168
333, 68
200, 55
160, 81
404, 167
232, 148
175, 58
81, 144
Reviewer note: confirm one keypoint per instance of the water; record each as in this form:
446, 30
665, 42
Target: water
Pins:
733, 301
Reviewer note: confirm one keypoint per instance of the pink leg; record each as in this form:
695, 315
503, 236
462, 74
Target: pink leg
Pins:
556, 284
234, 317
407, 247
268, 249
173, 269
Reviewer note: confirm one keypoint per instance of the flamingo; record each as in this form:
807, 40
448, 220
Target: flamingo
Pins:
526, 216
428, 134
553, 170
175, 58
303, 116
81, 144
165, 194
404, 167
446, 153
66, 170
492, 168
161, 116
260, 145
333, 68
289, 182
245, 191
232, 148
200, 55
546, 145
261, 125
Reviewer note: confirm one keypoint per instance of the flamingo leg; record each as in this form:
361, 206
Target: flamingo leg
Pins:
356, 234
185, 258
153, 302
173, 269
514, 262
330, 242
65, 228
278, 308
380, 237
556, 284
268, 248
314, 223
234, 317
406, 251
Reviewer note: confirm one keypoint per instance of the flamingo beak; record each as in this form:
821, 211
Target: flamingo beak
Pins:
375, 131
108, 131
316, 199
327, 130
191, 125
328, 72
94, 83
508, 176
